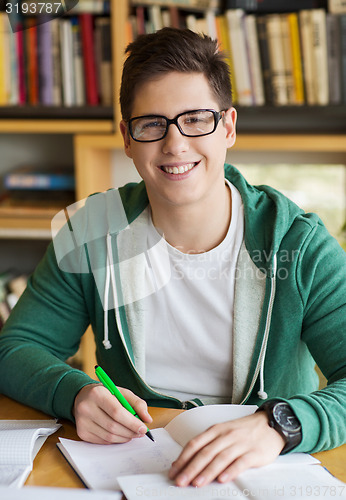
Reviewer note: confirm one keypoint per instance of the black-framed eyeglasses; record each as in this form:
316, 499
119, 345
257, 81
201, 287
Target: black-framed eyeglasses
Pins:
195, 123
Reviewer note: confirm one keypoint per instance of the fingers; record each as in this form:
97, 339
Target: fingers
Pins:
138, 404
226, 450
100, 418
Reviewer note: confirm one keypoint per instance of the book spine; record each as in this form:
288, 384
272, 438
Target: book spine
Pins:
155, 17
44, 43
267, 6
239, 56
288, 61
140, 16
305, 23
56, 63
334, 58
3, 72
319, 43
254, 60
343, 54
66, 61
14, 78
337, 6
21, 66
296, 58
276, 58
261, 23
31, 40
86, 22
79, 87
104, 27
195, 4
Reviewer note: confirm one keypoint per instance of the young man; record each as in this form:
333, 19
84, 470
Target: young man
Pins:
199, 287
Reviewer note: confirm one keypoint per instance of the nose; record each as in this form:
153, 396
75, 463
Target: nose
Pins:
174, 143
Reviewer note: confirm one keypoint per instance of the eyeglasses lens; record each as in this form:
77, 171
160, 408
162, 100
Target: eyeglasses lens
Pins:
153, 128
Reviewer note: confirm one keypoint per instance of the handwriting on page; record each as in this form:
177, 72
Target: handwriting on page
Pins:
100, 465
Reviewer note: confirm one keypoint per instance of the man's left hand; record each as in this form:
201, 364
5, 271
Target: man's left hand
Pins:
225, 450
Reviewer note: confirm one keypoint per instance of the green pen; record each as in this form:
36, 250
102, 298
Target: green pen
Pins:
109, 384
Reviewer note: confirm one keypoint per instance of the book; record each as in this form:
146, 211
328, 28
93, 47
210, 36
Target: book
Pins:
45, 67
334, 58
56, 65
267, 6
3, 85
20, 442
288, 59
32, 61
305, 24
77, 56
261, 22
34, 178
343, 56
87, 30
237, 36
254, 60
320, 55
298, 83
337, 6
277, 60
190, 4
67, 69
100, 466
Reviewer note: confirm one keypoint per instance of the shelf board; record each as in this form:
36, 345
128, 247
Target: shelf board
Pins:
291, 119
54, 119
291, 142
24, 112
56, 126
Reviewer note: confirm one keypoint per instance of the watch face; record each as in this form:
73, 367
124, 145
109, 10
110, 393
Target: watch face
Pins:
285, 417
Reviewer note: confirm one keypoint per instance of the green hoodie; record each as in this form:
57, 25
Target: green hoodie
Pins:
289, 311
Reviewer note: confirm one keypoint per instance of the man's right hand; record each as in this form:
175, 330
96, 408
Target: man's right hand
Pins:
101, 419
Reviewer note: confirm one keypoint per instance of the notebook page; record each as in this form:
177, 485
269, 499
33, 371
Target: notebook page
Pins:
17, 445
308, 481
13, 475
160, 487
189, 424
99, 465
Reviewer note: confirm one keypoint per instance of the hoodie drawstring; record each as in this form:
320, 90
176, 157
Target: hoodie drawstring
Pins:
261, 393
109, 277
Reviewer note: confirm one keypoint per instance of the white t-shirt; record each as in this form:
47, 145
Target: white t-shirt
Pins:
189, 322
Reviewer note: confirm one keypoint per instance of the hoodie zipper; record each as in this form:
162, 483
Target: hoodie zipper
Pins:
261, 358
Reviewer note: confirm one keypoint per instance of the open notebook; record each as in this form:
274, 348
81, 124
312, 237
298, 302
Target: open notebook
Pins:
20, 441
100, 466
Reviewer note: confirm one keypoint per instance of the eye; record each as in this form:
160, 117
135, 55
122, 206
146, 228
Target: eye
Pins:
196, 118
153, 123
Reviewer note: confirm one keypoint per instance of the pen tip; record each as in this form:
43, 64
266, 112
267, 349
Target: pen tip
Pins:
150, 436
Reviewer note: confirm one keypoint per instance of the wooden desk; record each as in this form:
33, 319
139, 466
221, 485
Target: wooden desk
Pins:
51, 468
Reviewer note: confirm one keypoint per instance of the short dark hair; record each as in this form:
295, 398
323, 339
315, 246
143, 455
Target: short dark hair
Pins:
172, 49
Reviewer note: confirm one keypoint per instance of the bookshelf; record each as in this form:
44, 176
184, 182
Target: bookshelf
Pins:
95, 135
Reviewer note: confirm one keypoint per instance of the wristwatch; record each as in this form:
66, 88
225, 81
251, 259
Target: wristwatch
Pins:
283, 419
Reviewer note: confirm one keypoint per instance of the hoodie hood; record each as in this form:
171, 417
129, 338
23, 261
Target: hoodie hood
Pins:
269, 215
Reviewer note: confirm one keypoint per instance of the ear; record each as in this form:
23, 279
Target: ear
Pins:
230, 119
126, 138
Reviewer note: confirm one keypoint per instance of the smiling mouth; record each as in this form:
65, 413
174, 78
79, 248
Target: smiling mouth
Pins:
181, 169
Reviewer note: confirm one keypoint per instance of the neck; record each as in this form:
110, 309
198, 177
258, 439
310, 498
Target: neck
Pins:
198, 227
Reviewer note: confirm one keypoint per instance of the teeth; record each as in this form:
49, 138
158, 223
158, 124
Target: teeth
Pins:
178, 170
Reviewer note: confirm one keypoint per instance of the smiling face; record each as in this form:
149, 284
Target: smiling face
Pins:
179, 170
